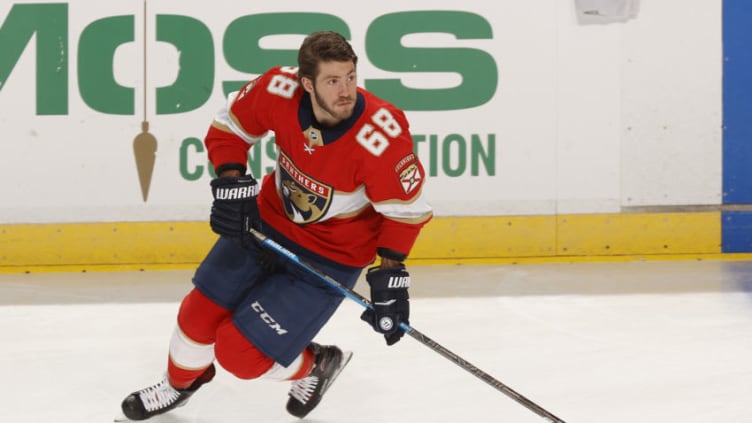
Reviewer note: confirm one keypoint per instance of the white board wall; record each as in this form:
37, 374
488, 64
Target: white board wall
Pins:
585, 118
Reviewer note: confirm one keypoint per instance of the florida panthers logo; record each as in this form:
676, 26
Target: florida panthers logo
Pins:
409, 173
410, 178
306, 200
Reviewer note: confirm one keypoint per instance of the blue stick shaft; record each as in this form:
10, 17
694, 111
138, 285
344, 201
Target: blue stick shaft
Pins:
420, 337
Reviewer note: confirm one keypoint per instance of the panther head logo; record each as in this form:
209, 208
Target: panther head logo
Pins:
299, 203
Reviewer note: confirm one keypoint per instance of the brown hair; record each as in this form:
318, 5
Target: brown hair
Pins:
324, 46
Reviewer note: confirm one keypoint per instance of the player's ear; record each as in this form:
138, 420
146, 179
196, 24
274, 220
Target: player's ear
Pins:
307, 84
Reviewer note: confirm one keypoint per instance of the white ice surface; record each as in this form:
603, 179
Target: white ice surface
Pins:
622, 357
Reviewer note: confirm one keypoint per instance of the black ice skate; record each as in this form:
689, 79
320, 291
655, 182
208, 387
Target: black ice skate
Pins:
161, 398
306, 393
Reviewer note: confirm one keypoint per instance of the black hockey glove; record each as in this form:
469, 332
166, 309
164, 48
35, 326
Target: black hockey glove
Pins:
390, 300
234, 210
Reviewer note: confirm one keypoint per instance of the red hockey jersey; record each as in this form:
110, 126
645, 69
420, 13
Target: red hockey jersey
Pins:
339, 192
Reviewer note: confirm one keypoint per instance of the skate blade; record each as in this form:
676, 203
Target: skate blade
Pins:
121, 418
346, 356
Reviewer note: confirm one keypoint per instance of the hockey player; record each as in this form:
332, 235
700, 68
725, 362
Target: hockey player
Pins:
347, 188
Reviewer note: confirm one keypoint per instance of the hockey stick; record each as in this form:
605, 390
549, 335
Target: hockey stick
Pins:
423, 339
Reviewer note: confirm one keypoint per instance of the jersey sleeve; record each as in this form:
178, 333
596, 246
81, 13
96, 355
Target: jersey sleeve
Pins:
394, 185
243, 121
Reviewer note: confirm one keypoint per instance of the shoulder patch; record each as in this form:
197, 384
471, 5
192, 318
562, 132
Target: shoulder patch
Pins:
410, 158
409, 173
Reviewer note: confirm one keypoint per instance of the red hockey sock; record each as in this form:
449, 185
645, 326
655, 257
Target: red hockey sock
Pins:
199, 317
237, 355
198, 320
306, 366
181, 378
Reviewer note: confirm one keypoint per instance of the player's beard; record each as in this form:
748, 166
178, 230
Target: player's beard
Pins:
338, 115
